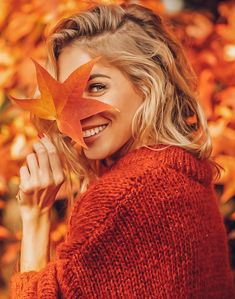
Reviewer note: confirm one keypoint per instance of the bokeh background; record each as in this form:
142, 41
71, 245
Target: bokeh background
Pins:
207, 30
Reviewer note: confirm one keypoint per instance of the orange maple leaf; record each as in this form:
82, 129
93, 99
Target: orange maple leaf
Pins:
64, 102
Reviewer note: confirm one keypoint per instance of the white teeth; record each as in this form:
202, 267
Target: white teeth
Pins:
93, 131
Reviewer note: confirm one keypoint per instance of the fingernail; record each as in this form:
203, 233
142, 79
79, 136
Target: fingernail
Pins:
41, 134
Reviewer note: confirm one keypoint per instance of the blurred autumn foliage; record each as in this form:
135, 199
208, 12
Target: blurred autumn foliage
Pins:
24, 25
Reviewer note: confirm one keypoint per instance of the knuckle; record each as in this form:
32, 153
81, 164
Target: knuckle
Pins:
37, 145
59, 179
23, 187
44, 176
22, 168
52, 151
39, 148
34, 185
27, 189
30, 156
46, 183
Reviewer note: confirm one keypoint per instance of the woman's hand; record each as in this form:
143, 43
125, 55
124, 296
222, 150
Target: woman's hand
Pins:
40, 180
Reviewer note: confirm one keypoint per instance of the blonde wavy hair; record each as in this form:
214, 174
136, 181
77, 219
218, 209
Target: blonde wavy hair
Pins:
135, 40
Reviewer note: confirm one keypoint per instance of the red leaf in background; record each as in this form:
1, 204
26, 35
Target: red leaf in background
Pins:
227, 98
8, 167
2, 204
206, 88
228, 176
10, 253
4, 233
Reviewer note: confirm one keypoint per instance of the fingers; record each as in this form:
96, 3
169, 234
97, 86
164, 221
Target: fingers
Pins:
44, 167
54, 161
44, 170
24, 178
27, 185
40, 179
32, 164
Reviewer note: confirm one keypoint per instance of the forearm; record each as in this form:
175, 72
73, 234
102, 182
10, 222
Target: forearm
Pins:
35, 244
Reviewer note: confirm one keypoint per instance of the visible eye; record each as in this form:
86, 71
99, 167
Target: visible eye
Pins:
96, 87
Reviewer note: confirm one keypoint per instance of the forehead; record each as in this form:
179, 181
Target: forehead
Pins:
72, 57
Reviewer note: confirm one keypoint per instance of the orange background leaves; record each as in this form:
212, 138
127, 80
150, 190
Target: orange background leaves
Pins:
24, 25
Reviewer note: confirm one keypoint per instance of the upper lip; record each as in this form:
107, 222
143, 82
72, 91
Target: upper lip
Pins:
92, 126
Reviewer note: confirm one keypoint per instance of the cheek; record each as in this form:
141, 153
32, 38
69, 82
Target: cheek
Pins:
126, 100
115, 98
123, 123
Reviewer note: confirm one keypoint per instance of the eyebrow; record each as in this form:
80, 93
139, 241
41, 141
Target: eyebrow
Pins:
98, 75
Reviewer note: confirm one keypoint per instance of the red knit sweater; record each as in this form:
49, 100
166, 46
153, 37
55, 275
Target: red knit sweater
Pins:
148, 228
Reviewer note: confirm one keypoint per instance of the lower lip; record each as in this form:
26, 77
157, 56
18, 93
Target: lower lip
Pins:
91, 139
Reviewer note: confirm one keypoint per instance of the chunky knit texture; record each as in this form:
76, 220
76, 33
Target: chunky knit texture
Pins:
150, 227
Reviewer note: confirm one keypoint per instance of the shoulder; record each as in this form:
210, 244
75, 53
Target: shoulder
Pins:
165, 160
139, 176
101, 200
144, 166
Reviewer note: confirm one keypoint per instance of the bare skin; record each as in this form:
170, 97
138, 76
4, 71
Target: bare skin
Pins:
42, 177
108, 85
40, 180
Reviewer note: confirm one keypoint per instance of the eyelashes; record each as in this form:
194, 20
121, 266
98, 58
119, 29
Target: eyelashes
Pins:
96, 88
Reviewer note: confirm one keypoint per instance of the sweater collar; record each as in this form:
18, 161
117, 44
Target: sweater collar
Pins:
171, 156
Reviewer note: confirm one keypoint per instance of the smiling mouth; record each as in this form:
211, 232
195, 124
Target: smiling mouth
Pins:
93, 137
85, 128
90, 134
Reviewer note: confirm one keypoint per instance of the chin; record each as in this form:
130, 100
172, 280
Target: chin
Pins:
96, 153
102, 152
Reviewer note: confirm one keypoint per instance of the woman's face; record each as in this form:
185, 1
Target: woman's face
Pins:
109, 85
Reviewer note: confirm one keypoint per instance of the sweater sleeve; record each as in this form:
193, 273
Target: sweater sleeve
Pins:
137, 233
66, 275
55, 278
58, 277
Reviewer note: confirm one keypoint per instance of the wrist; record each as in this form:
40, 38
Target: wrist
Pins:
35, 243
35, 219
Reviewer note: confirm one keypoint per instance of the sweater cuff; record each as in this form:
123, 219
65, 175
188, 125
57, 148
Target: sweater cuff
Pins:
16, 269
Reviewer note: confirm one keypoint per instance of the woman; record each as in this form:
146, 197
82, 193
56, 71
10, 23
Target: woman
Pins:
146, 223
